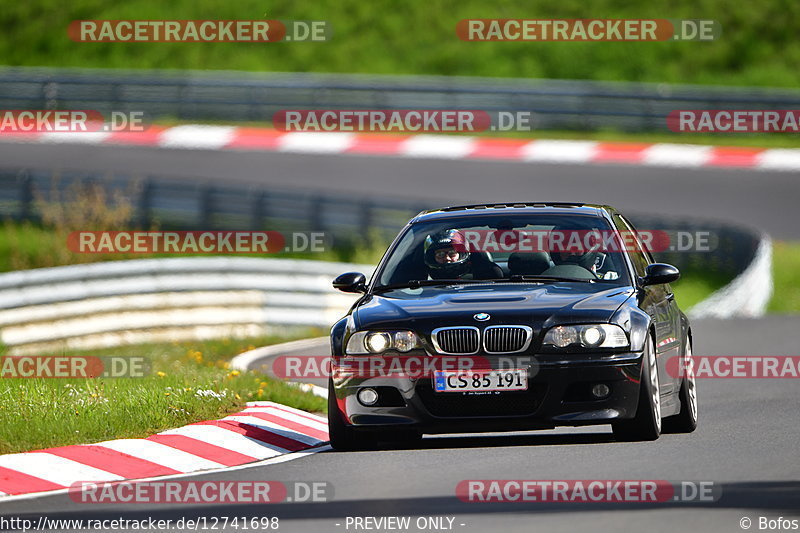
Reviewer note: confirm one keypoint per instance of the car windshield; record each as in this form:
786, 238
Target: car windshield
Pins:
521, 248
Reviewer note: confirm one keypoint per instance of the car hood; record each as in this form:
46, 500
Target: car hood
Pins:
533, 305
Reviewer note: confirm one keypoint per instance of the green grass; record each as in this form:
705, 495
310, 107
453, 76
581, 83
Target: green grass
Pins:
758, 45
786, 277
38, 413
695, 286
28, 245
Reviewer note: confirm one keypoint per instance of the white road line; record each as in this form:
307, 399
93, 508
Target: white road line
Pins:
316, 142
244, 360
437, 146
74, 137
779, 159
676, 155
195, 136
559, 151
316, 390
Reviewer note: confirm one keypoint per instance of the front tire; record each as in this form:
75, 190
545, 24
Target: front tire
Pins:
646, 425
344, 438
686, 420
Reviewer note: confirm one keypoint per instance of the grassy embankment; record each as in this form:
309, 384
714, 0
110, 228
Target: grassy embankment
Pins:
185, 383
758, 45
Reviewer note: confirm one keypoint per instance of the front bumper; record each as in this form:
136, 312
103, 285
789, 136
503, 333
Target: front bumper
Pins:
558, 395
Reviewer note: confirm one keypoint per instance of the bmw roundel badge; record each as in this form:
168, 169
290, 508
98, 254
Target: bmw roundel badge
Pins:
481, 317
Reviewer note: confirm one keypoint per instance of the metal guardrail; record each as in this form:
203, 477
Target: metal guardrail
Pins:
177, 205
249, 96
172, 203
748, 294
149, 300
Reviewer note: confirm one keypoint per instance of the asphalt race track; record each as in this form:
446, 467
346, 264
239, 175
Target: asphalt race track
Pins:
760, 199
746, 444
748, 438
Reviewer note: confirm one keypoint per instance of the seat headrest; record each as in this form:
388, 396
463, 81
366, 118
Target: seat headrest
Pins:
530, 263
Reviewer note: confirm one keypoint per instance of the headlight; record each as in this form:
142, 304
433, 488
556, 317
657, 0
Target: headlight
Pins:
405, 341
375, 342
588, 336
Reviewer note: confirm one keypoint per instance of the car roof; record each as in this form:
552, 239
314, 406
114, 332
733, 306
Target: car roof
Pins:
515, 208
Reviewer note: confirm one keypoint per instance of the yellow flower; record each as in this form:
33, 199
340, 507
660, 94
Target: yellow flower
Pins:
166, 394
161, 374
238, 397
262, 384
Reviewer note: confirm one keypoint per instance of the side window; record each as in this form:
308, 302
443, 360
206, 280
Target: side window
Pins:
645, 249
639, 257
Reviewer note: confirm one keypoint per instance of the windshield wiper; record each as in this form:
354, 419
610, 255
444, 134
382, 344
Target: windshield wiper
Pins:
517, 278
417, 283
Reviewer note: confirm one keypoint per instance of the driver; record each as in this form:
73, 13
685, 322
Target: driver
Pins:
591, 260
446, 257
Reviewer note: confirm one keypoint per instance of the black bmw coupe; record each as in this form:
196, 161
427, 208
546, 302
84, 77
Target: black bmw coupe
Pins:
510, 317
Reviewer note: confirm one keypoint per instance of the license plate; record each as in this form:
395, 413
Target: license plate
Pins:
480, 380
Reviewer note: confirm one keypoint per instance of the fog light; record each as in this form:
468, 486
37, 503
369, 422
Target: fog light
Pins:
368, 396
601, 390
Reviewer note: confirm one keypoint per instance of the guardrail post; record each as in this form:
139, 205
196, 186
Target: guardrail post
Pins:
206, 208
365, 221
315, 215
50, 95
25, 196
145, 198
258, 211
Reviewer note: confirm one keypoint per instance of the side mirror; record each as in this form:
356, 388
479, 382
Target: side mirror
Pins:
351, 282
659, 273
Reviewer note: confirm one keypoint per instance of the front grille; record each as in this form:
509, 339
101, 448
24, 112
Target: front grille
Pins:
457, 340
456, 404
506, 339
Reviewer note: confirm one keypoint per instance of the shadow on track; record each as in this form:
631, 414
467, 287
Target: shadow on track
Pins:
773, 496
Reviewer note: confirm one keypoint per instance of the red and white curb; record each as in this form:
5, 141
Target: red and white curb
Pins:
200, 137
243, 361
262, 431
668, 340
